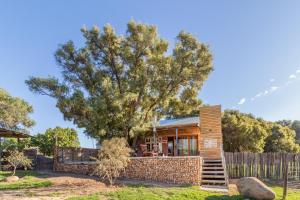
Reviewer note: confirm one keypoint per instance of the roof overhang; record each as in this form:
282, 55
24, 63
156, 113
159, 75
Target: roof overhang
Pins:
177, 126
6, 133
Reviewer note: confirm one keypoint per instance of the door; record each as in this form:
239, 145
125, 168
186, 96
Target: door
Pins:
170, 146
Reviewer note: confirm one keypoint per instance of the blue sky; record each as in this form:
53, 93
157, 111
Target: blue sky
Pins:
256, 48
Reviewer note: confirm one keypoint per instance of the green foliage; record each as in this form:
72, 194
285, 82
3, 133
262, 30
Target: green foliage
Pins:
11, 144
282, 139
112, 159
296, 127
115, 84
186, 105
29, 179
17, 159
243, 132
66, 137
14, 112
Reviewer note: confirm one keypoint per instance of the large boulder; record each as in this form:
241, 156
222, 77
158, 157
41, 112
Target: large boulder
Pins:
10, 179
252, 187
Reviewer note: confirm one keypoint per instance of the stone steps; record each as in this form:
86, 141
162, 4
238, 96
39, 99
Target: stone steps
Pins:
213, 175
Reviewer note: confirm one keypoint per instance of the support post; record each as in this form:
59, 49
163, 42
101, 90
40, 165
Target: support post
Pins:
286, 174
0, 153
55, 154
176, 145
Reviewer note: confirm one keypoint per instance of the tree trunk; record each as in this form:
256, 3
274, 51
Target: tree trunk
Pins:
14, 171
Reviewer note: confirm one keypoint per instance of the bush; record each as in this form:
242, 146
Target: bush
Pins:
17, 159
112, 159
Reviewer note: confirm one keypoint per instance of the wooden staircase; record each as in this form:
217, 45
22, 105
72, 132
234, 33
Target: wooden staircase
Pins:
214, 174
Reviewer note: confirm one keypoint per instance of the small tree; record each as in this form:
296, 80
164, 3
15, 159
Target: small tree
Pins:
112, 159
17, 159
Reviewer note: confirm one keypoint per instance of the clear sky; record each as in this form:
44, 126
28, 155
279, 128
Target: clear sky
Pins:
256, 48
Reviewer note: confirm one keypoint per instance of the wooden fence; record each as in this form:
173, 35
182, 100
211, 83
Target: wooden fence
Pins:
72, 154
262, 165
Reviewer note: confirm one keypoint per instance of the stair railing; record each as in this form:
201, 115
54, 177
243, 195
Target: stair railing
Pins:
224, 166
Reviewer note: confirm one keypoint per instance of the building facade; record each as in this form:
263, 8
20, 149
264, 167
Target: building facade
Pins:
190, 136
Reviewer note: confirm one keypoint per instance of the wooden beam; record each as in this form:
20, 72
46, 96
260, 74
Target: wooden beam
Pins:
176, 145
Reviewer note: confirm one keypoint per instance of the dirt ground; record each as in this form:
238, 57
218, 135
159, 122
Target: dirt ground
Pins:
68, 185
64, 185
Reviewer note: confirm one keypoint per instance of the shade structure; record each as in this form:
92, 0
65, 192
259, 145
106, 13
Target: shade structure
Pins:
7, 133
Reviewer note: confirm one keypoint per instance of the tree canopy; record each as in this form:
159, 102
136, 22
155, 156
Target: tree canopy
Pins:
66, 137
295, 125
14, 112
115, 84
244, 132
281, 139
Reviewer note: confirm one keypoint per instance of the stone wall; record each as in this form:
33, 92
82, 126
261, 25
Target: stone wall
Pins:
176, 170
75, 167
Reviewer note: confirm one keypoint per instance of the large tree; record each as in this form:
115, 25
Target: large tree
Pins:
296, 127
65, 137
14, 112
243, 132
114, 84
281, 139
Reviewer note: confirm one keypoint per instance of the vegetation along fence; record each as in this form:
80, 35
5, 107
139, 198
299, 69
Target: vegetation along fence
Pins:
263, 165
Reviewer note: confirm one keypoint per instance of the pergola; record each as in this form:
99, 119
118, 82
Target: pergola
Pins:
7, 133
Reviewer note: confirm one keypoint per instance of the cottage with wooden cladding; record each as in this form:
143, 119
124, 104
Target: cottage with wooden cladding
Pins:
190, 136
180, 151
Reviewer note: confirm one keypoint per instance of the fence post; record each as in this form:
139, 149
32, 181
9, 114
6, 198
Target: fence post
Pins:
286, 174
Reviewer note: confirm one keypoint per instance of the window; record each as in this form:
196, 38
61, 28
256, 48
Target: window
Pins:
187, 146
150, 143
183, 146
193, 145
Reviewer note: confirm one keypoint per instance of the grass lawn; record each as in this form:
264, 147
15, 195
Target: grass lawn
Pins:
174, 193
28, 179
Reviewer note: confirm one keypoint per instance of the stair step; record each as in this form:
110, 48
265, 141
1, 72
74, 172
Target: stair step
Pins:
212, 167
216, 188
213, 172
212, 164
213, 176
213, 181
212, 160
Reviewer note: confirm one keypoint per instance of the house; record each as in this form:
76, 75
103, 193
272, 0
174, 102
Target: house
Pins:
201, 135
182, 151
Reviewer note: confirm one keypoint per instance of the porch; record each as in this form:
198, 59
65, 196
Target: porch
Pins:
181, 140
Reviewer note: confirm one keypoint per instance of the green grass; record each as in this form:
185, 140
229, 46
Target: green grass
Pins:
28, 179
173, 193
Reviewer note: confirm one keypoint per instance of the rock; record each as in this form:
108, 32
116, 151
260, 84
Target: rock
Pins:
11, 179
251, 187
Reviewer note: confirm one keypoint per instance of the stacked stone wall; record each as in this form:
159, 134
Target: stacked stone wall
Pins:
175, 170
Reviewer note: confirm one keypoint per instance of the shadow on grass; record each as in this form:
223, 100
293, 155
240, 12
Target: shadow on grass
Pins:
224, 197
20, 173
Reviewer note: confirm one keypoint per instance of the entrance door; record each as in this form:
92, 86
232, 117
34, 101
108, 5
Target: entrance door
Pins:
170, 146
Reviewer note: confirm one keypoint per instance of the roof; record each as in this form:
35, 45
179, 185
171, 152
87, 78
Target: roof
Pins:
12, 134
179, 122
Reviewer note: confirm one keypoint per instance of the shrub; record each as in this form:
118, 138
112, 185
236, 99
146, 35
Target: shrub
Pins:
112, 159
17, 159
